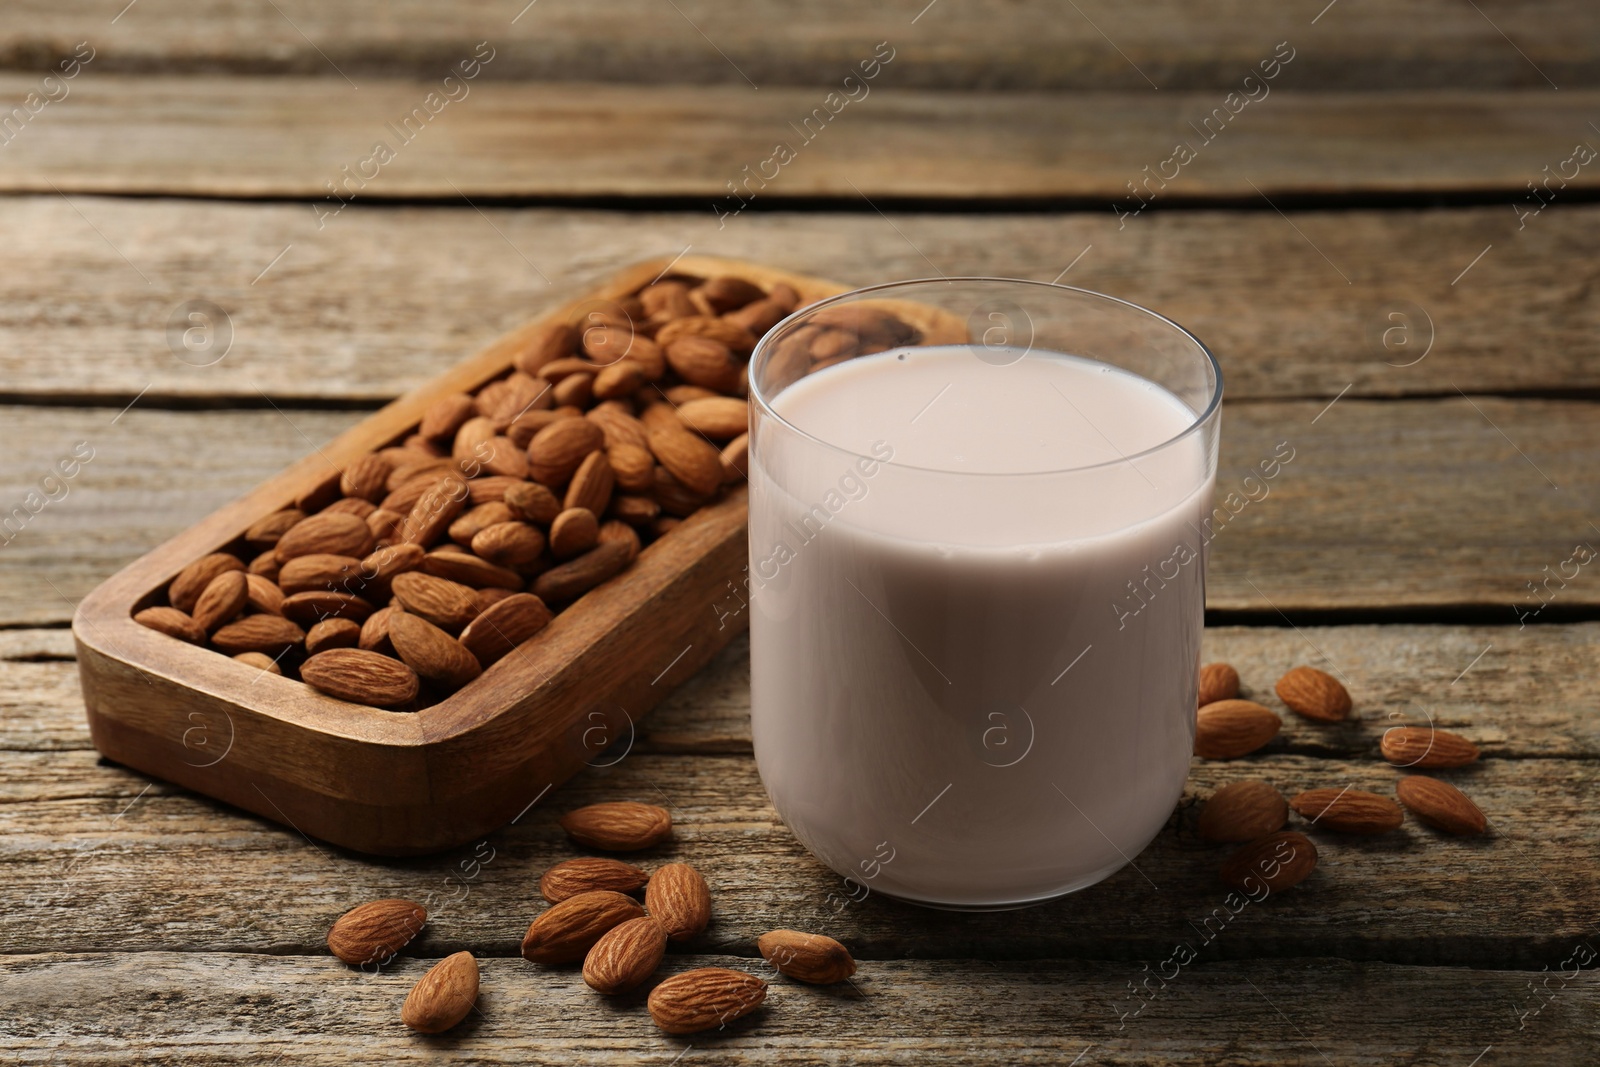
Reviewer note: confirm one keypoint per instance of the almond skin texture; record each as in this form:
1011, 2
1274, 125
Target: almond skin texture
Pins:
1242, 811
1426, 747
503, 626
443, 996
331, 532
625, 956
1441, 805
269, 634
565, 932
556, 451
360, 677
1276, 861
618, 826
588, 873
446, 604
332, 633
805, 957
704, 999
1218, 681
720, 418
222, 600
1228, 729
433, 654
1349, 811
688, 458
376, 930
173, 623
678, 896
1314, 695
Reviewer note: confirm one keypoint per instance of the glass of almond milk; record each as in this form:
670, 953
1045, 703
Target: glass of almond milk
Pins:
977, 576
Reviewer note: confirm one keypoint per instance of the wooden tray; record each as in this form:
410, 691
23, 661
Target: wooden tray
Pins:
407, 783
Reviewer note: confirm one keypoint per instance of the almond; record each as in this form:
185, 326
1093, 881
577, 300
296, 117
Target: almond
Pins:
263, 595
500, 457
443, 996
573, 532
1441, 805
173, 623
634, 510
359, 676
678, 896
480, 518
1349, 811
446, 604
1426, 747
314, 605
678, 395
666, 300
1218, 681
720, 418
484, 599
433, 654
366, 478
456, 565
807, 957
625, 956
376, 573
533, 502
555, 451
759, 316
731, 334
869, 324
437, 506
385, 526
727, 293
576, 577
1242, 811
374, 931
588, 873
510, 544
619, 379
575, 390
566, 932
269, 634
185, 590
319, 494
546, 342
320, 570
264, 533
332, 633
618, 826
330, 532
445, 415
619, 427
1276, 861
736, 459
1314, 695
704, 998
503, 626
472, 444
704, 361
591, 484
375, 631
677, 499
616, 531
689, 459
266, 565
1228, 729
222, 600
351, 505
633, 467
259, 662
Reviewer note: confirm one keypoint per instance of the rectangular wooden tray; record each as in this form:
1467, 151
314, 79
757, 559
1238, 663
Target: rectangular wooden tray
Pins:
408, 783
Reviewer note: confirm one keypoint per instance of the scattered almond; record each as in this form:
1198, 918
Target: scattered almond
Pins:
1426, 747
1349, 811
625, 956
1441, 805
1276, 861
1218, 681
618, 826
374, 931
443, 996
565, 932
587, 873
704, 998
1242, 811
809, 958
1315, 695
678, 896
1228, 729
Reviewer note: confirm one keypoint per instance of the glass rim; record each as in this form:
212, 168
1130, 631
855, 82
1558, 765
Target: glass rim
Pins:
767, 342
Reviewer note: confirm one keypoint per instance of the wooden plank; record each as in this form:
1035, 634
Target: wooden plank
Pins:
98, 858
301, 137
215, 1008
1517, 693
982, 44
1437, 505
367, 307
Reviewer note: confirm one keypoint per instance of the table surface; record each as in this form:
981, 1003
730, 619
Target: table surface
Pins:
1356, 237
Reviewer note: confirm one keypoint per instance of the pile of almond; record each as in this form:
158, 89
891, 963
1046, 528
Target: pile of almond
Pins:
398, 580
593, 919
1254, 813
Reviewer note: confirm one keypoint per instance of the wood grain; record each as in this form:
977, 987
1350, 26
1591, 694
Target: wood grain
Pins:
244, 1009
382, 299
231, 137
984, 44
1437, 505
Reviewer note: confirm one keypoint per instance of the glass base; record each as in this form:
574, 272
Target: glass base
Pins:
1006, 905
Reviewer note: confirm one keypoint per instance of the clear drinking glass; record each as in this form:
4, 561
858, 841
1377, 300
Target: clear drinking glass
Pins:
978, 515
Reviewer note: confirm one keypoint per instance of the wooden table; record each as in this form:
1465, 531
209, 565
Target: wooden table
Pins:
1360, 247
